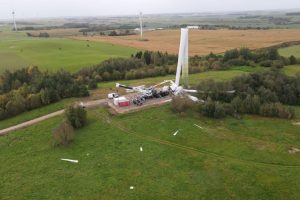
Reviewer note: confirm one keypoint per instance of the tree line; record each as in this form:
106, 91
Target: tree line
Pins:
29, 88
267, 94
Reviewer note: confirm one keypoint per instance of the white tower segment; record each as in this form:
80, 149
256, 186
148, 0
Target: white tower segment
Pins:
14, 19
141, 25
183, 58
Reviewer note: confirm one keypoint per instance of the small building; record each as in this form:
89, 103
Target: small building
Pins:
121, 102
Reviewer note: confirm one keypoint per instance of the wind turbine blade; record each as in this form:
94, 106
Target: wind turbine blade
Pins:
195, 99
190, 91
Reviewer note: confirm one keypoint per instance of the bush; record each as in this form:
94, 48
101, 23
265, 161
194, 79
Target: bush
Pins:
219, 111
278, 64
63, 134
277, 110
213, 109
92, 84
76, 116
2, 114
266, 63
293, 60
181, 104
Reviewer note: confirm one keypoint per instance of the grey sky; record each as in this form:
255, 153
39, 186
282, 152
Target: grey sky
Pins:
58, 8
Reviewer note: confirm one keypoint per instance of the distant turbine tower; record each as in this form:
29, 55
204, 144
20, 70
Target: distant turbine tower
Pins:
15, 24
141, 25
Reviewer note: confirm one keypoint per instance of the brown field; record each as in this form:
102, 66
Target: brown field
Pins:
203, 41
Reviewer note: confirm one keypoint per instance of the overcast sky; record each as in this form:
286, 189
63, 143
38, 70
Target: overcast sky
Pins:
60, 8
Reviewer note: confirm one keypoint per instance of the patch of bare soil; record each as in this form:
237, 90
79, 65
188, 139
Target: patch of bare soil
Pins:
294, 150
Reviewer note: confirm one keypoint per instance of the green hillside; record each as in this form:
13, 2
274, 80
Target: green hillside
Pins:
18, 50
241, 159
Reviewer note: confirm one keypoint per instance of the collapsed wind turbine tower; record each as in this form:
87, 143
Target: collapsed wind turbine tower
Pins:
14, 21
141, 24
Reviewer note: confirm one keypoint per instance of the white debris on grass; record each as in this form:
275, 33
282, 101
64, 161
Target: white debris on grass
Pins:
198, 126
68, 160
141, 149
131, 187
87, 154
176, 133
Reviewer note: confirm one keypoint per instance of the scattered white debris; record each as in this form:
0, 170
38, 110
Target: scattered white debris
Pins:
141, 149
297, 123
131, 187
176, 133
294, 150
198, 126
87, 154
68, 160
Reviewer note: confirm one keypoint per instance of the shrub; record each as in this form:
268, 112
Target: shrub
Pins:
92, 84
2, 114
293, 60
266, 63
76, 116
34, 101
278, 64
181, 104
219, 111
277, 110
63, 134
213, 109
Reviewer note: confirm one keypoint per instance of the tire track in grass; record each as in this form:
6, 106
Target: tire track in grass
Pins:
108, 120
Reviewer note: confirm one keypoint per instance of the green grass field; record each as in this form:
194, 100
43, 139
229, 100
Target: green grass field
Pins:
18, 50
227, 159
291, 70
289, 51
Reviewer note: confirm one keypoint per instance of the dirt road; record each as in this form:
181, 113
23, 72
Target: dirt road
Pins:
89, 104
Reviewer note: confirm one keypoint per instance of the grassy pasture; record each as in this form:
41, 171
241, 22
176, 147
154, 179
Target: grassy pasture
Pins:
240, 159
289, 51
17, 50
291, 70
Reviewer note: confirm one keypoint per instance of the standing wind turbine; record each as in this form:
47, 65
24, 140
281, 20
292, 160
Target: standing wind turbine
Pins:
141, 25
14, 20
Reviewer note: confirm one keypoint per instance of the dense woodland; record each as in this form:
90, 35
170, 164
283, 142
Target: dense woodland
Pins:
262, 94
29, 88
151, 64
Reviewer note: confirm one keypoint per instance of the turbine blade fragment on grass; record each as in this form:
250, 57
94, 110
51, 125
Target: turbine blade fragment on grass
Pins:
69, 160
176, 133
198, 126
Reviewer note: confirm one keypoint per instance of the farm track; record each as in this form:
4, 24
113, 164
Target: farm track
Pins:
108, 120
32, 122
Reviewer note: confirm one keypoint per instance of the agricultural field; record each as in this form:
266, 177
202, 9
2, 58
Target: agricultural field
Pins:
290, 51
291, 70
203, 42
18, 50
230, 158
